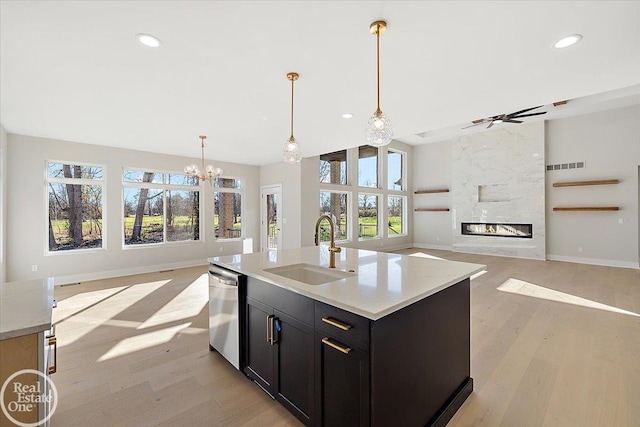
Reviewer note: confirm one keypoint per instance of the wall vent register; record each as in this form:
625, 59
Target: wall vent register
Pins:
524, 231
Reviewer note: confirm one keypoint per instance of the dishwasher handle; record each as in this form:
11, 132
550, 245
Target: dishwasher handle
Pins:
223, 276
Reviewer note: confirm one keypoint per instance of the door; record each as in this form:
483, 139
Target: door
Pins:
271, 218
342, 383
259, 351
294, 382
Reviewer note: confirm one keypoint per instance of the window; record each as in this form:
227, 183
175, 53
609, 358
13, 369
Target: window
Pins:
367, 216
333, 204
160, 207
75, 200
396, 216
395, 169
368, 166
227, 220
333, 168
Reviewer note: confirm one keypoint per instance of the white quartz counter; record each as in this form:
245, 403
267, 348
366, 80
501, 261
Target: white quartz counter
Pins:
383, 282
25, 307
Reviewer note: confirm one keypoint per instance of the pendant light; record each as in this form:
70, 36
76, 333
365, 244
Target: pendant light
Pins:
291, 151
379, 130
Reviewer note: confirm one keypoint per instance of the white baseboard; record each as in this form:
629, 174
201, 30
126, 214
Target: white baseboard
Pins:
98, 275
397, 247
428, 246
594, 261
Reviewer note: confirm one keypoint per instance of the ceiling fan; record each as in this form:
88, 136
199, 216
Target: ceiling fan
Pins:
507, 118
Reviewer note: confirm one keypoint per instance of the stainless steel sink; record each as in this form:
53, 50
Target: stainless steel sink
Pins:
309, 273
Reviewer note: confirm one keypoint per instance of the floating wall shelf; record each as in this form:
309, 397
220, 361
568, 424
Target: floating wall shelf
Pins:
441, 190
431, 209
588, 208
579, 183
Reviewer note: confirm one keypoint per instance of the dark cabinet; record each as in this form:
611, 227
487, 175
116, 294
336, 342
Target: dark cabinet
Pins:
259, 354
280, 346
294, 366
342, 381
330, 367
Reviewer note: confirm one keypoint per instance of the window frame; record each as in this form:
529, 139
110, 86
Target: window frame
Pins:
348, 202
163, 187
242, 206
403, 216
403, 166
82, 181
346, 172
379, 173
378, 196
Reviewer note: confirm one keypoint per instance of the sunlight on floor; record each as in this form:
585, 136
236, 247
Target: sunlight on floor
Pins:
100, 307
423, 255
188, 303
140, 342
520, 287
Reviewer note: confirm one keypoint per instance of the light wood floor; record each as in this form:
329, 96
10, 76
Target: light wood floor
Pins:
133, 351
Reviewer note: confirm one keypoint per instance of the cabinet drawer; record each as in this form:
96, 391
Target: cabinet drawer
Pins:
295, 305
347, 327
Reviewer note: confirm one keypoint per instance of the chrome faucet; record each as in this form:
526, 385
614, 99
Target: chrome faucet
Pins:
333, 248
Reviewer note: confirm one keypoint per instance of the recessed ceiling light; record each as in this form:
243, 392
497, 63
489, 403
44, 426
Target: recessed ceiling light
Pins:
567, 41
347, 116
148, 40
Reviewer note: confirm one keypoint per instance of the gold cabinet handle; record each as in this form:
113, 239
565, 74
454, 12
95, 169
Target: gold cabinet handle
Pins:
54, 342
328, 342
337, 324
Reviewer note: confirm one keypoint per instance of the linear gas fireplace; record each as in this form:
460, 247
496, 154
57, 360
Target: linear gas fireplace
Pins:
523, 231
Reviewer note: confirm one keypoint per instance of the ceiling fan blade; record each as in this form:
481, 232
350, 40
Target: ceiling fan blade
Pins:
523, 111
475, 124
512, 121
490, 124
527, 115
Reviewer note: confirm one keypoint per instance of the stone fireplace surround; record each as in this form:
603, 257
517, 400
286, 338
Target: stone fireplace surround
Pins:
498, 177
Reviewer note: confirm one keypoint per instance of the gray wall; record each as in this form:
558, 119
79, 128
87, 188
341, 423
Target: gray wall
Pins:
27, 214
432, 170
609, 143
3, 207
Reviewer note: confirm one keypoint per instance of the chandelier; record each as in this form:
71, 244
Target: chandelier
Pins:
291, 151
379, 130
208, 173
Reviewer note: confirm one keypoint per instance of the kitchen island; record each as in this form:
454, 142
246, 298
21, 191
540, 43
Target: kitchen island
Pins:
382, 339
26, 337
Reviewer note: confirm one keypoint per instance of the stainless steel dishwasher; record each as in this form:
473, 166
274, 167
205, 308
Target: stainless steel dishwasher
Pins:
224, 313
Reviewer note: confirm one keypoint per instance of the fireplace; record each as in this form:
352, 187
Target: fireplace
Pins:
522, 231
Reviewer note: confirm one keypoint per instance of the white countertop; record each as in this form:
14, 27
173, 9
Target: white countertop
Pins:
383, 282
25, 307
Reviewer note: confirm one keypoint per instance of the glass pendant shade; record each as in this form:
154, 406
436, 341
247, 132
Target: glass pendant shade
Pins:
379, 131
291, 151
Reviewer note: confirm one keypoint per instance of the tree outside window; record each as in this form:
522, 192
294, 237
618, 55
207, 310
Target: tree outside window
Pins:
333, 204
227, 199
160, 207
75, 199
367, 216
396, 216
333, 168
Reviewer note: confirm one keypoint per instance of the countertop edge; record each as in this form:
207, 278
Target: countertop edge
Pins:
25, 331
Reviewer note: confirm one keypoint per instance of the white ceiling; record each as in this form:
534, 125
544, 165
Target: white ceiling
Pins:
74, 71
